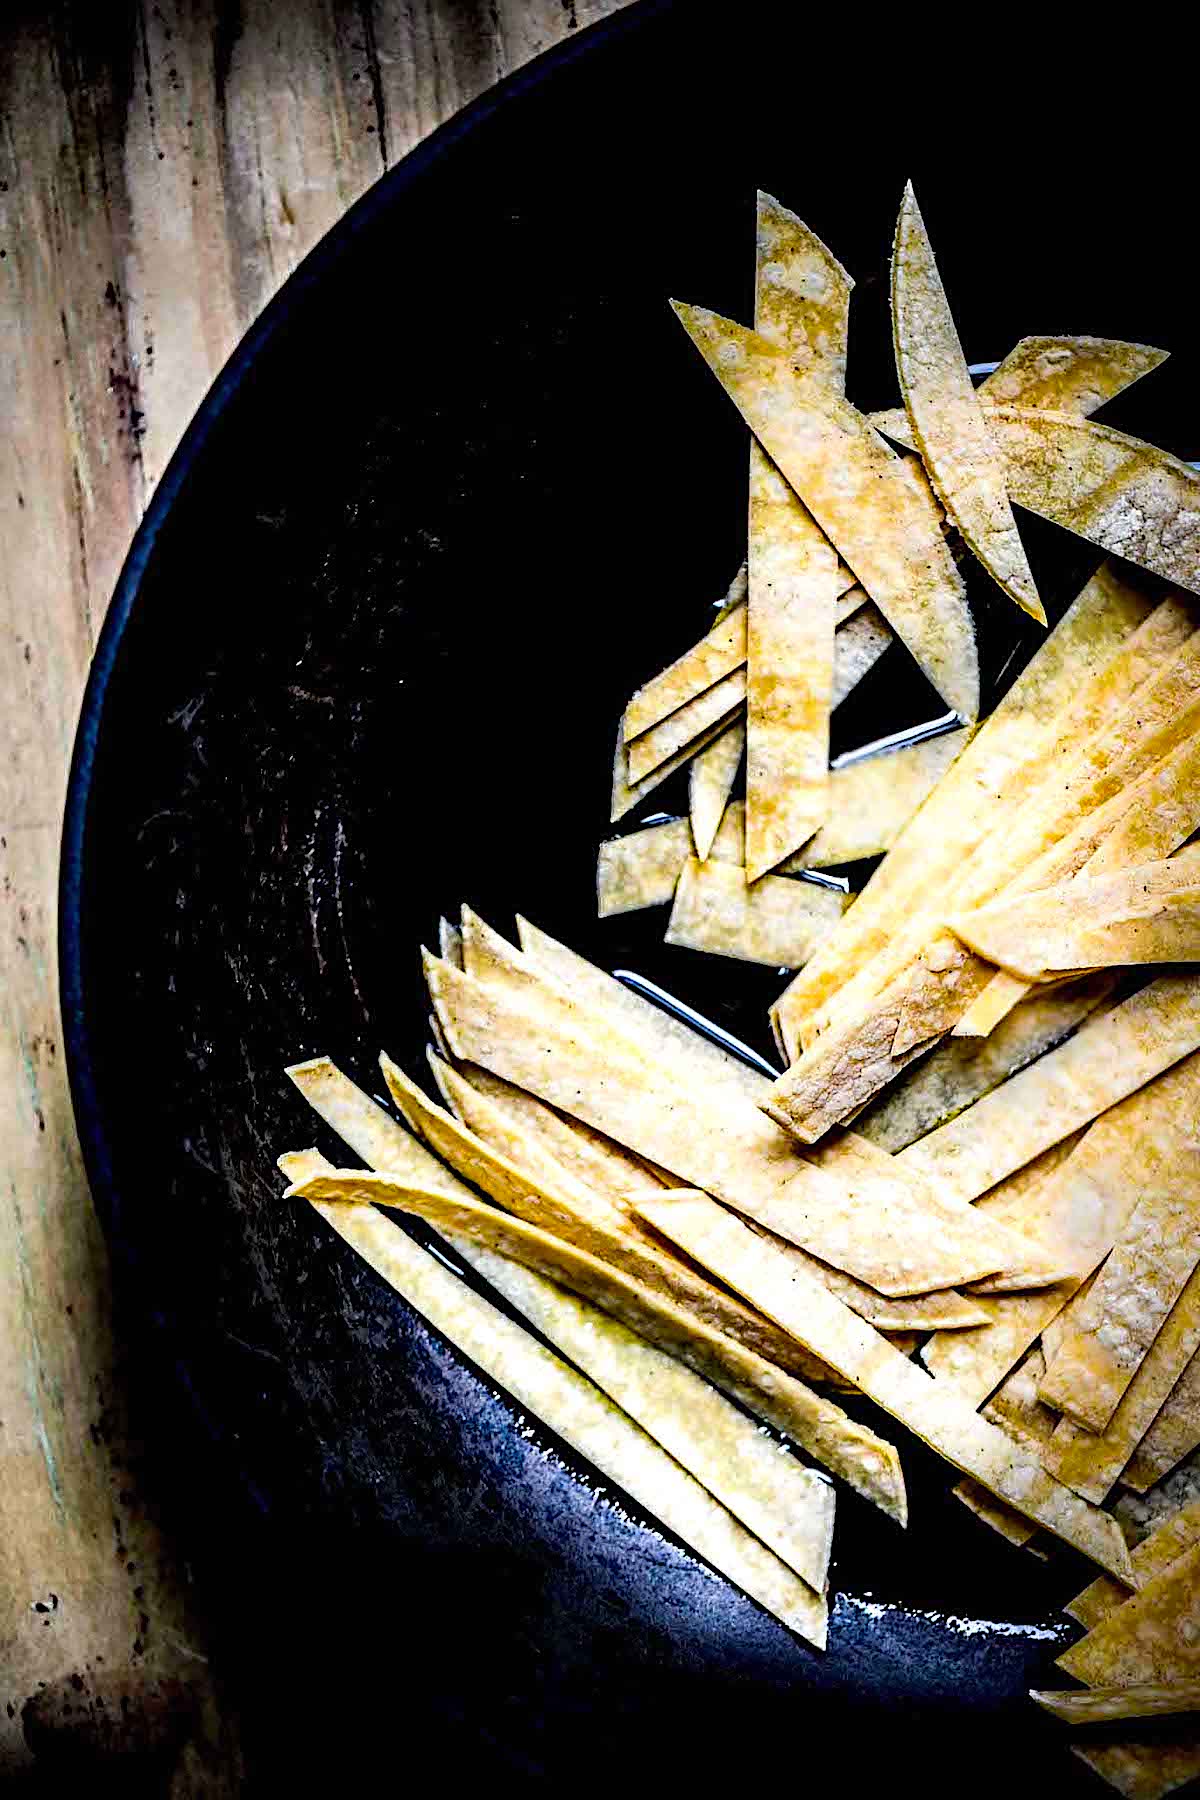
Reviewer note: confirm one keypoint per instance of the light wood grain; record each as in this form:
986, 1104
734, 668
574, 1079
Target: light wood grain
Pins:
164, 168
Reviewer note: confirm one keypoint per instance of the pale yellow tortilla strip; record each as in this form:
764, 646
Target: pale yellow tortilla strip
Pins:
850, 601
1149, 913
801, 293
719, 652
864, 1460
870, 801
1011, 1526
1005, 755
857, 647
1108, 1058
577, 1412
1146, 1272
1151, 1558
1091, 1463
774, 920
1107, 1706
1074, 375
1152, 1637
947, 420
627, 794
956, 1074
904, 1319
932, 1410
714, 707
450, 942
1132, 499
641, 869
1016, 1408
366, 1128
1174, 1434
711, 780
849, 481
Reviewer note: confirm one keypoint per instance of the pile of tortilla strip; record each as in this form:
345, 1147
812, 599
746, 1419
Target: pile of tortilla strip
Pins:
973, 1196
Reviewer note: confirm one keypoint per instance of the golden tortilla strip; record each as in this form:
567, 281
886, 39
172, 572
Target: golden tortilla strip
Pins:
366, 1128
1145, 1768
864, 1460
1151, 1558
576, 1411
1174, 1434
851, 483
1149, 913
627, 794
1012, 1527
666, 740
711, 780
1152, 1637
871, 800
932, 1410
1108, 1058
719, 652
1105, 1706
955, 1074
1146, 1272
1074, 375
641, 869
774, 920
1091, 1462
1003, 758
801, 293
1132, 499
947, 419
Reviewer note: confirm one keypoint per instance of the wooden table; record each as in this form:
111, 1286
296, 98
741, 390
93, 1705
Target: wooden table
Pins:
163, 167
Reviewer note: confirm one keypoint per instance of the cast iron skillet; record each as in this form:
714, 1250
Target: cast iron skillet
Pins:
462, 487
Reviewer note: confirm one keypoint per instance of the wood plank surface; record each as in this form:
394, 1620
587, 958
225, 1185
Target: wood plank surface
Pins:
163, 168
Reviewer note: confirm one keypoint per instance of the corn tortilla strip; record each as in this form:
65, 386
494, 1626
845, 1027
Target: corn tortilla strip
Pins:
801, 293
1174, 1434
1090, 1462
1145, 1768
641, 869
932, 1410
1126, 917
1108, 1058
711, 780
1105, 1706
627, 794
1075, 375
577, 1412
1152, 1637
1146, 1272
450, 942
857, 647
864, 1460
1139, 1513
955, 1074
714, 707
909, 1317
871, 801
1132, 499
366, 1128
851, 483
850, 601
1151, 1558
774, 921
1026, 1197
719, 652
1012, 1527
962, 808
944, 412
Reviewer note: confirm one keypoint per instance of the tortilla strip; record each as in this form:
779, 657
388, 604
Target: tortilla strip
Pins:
857, 647
1174, 1434
1148, 1767
1013, 743
1152, 1637
1108, 1058
1025, 1198
719, 652
1132, 499
366, 1128
852, 600
576, 1412
956, 1073
1150, 913
945, 414
1017, 1410
851, 484
1104, 1706
1075, 375
774, 921
711, 780
864, 1460
1150, 1264
1091, 1463
715, 706
626, 794
932, 1410
1012, 1527
641, 869
450, 941
801, 293
909, 1316
1155, 1554
871, 800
